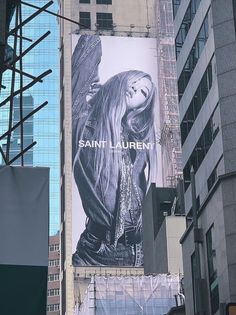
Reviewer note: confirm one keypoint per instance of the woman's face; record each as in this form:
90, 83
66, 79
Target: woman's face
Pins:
138, 92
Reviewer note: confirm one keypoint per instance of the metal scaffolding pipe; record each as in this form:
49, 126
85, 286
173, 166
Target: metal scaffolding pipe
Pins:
26, 87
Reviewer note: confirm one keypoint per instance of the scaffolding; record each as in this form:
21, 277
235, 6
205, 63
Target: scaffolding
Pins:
11, 59
131, 295
168, 95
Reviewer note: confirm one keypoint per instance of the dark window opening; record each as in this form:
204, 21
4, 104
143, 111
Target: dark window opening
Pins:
104, 21
85, 19
186, 24
103, 1
196, 102
193, 57
203, 145
211, 179
189, 218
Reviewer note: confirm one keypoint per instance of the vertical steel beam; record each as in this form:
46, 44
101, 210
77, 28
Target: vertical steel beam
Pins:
2, 36
198, 277
21, 88
11, 109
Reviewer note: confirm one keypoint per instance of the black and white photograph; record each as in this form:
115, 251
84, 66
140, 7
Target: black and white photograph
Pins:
114, 146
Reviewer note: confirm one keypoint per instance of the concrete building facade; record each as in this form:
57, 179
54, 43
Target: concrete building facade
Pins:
163, 226
102, 17
130, 18
53, 301
206, 70
111, 17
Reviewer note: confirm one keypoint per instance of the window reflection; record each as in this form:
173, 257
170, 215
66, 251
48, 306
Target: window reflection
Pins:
186, 24
203, 145
197, 102
193, 57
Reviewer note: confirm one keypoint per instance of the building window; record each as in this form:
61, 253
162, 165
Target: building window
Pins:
85, 19
211, 179
53, 277
84, 1
53, 292
212, 270
54, 247
203, 145
176, 4
197, 102
53, 307
53, 262
103, 1
193, 57
186, 24
104, 21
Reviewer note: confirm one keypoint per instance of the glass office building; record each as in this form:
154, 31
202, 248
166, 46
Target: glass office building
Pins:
45, 129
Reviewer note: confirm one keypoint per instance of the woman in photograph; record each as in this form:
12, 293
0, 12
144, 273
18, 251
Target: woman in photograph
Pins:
113, 139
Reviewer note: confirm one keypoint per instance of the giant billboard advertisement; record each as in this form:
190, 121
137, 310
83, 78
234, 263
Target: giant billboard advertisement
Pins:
114, 146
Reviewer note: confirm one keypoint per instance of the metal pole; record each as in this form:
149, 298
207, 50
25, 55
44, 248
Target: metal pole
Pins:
31, 47
28, 49
30, 76
55, 14
2, 37
31, 17
3, 155
11, 97
93, 307
23, 120
21, 87
23, 37
23, 152
27, 86
197, 277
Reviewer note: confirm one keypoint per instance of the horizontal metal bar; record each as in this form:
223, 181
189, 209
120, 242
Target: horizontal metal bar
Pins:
22, 37
30, 47
23, 120
25, 87
55, 14
31, 17
22, 153
23, 73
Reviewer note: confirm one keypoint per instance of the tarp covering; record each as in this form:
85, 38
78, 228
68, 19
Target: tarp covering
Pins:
149, 295
24, 209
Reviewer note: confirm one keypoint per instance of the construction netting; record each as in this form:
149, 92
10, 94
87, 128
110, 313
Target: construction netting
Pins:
168, 94
146, 295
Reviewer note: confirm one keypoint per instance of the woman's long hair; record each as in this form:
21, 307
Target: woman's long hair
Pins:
113, 120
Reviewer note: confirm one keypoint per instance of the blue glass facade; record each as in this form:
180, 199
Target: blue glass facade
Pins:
28, 136
46, 129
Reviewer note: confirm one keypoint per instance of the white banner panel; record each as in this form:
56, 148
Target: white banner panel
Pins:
24, 210
114, 146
